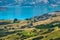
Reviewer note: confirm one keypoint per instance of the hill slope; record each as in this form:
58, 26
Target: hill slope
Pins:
43, 27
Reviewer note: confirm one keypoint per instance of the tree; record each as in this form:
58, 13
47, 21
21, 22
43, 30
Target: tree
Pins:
15, 20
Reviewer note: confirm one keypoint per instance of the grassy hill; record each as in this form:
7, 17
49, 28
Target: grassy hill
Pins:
43, 27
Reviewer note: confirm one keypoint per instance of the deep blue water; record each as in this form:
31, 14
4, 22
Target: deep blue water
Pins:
25, 12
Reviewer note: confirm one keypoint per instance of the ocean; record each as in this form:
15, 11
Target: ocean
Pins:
24, 12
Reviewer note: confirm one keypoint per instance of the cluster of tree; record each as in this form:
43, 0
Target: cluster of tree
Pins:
45, 26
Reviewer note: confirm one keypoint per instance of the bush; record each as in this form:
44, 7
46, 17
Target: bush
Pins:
48, 31
38, 38
18, 33
15, 20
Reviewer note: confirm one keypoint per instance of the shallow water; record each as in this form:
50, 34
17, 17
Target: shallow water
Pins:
25, 12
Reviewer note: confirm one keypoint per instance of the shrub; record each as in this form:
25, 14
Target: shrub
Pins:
38, 38
15, 20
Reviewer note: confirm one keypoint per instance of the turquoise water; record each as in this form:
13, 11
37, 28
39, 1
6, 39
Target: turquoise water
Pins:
25, 12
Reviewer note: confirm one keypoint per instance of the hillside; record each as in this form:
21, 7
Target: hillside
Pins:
42, 27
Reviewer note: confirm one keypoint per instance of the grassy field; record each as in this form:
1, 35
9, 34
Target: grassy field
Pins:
24, 30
